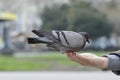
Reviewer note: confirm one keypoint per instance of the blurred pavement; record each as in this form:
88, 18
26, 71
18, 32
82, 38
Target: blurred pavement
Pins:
58, 76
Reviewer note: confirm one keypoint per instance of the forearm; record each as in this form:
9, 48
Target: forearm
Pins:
89, 59
100, 62
108, 62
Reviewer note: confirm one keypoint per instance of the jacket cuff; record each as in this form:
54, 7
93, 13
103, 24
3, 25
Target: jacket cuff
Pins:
113, 63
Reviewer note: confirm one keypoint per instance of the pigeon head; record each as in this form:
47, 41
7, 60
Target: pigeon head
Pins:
86, 36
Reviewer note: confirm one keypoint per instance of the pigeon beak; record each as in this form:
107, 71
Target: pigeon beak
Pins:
86, 36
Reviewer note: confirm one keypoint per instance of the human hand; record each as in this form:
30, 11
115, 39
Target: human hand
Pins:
89, 59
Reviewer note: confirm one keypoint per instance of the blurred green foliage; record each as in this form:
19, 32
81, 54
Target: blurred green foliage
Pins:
20, 64
55, 18
40, 62
77, 17
112, 4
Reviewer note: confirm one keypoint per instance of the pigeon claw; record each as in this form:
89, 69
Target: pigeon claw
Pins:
70, 53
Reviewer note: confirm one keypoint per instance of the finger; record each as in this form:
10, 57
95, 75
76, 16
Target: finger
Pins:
72, 56
69, 56
75, 58
82, 58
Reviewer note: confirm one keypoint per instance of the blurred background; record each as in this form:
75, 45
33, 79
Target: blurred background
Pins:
100, 18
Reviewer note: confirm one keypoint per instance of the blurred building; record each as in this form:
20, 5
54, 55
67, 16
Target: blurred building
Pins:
28, 17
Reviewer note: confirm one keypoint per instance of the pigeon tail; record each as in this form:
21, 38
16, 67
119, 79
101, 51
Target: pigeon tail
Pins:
41, 33
35, 41
38, 33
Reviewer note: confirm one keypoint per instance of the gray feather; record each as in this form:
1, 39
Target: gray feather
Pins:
63, 40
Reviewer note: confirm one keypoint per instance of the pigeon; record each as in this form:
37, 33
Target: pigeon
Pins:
63, 41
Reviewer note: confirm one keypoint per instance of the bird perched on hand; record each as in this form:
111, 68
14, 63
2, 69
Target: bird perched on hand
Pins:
64, 41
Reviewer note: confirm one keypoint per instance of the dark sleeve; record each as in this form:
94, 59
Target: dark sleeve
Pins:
114, 62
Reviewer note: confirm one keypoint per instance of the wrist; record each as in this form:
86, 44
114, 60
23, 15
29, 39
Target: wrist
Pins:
100, 62
104, 63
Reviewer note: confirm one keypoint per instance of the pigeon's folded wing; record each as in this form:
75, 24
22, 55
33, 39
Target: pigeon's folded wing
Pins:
61, 40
